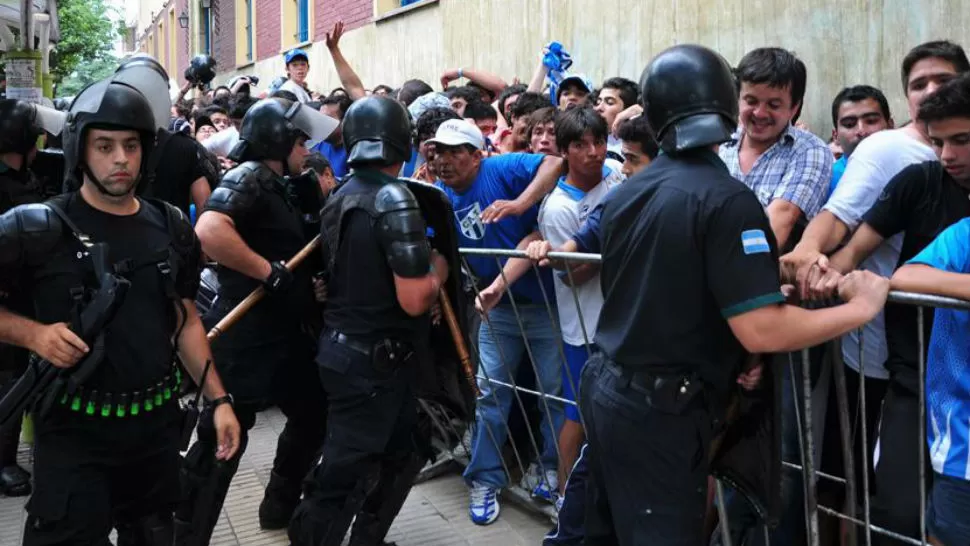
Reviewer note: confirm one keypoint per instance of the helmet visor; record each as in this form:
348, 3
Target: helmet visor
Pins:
49, 119
313, 124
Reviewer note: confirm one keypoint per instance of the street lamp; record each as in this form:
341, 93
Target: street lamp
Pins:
183, 19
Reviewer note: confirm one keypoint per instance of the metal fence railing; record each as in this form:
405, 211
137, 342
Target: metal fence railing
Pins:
520, 385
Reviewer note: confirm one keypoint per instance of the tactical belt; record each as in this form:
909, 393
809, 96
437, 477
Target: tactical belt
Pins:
359, 346
106, 404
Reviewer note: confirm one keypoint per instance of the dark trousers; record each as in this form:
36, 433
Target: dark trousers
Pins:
371, 422
570, 525
648, 469
93, 474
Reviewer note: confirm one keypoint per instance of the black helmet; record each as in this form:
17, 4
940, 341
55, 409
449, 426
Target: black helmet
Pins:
377, 130
201, 70
272, 126
149, 77
19, 129
108, 105
690, 98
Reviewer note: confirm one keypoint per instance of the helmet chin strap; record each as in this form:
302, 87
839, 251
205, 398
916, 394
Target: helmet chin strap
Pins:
97, 183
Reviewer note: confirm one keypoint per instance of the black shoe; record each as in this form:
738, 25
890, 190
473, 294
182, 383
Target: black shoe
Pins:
14, 481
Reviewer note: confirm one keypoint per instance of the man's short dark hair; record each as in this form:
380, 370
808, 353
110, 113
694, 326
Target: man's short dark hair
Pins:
858, 93
775, 67
950, 100
478, 110
317, 162
214, 109
482, 90
184, 108
528, 103
385, 88
638, 130
542, 116
466, 92
428, 122
628, 90
939, 49
573, 124
343, 102
411, 90
240, 105
507, 93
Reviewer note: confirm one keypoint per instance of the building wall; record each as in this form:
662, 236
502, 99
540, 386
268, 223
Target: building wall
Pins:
224, 34
268, 28
843, 42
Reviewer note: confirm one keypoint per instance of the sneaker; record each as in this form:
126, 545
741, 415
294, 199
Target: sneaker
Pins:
483, 507
531, 478
559, 501
548, 488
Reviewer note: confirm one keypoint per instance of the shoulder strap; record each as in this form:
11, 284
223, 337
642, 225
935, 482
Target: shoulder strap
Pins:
58, 204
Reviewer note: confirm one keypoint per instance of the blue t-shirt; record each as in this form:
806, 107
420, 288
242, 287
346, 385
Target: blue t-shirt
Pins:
336, 156
499, 177
947, 380
838, 169
408, 170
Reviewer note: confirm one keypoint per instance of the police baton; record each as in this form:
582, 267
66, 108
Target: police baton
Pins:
466, 360
256, 295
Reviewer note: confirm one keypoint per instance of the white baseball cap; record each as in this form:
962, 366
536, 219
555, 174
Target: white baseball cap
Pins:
458, 132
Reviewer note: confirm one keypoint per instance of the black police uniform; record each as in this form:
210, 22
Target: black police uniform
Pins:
685, 247
18, 134
106, 456
178, 161
370, 350
266, 358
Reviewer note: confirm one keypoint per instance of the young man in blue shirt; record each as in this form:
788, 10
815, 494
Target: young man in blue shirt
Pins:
479, 187
857, 112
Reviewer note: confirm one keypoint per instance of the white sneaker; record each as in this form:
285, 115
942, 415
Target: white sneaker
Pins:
548, 488
531, 478
483, 506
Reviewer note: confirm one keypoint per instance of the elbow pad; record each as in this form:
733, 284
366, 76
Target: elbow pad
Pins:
402, 231
238, 192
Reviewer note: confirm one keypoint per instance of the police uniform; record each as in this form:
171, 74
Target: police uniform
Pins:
685, 247
106, 450
370, 350
266, 358
18, 134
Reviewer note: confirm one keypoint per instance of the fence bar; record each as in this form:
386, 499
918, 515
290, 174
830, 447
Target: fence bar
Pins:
808, 453
875, 528
861, 413
845, 431
922, 443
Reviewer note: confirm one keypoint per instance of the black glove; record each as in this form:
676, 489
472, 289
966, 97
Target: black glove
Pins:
279, 278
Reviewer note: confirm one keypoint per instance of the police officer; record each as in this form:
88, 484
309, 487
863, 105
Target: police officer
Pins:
180, 169
106, 452
382, 280
690, 277
19, 131
250, 226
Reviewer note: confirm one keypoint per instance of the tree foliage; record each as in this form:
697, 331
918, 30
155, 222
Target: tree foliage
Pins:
88, 34
87, 73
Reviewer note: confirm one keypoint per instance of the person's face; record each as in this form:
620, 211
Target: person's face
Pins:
543, 139
456, 166
856, 121
634, 158
327, 180
333, 110
204, 132
520, 136
381, 92
951, 142
926, 77
298, 69
487, 126
586, 156
458, 104
508, 105
220, 121
765, 111
609, 105
114, 158
298, 155
572, 95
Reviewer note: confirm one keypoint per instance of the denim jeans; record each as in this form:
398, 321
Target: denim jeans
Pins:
501, 349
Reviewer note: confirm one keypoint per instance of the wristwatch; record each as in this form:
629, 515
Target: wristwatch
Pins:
227, 399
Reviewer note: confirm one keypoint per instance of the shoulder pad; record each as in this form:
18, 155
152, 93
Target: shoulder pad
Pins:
239, 189
28, 232
394, 197
207, 163
179, 226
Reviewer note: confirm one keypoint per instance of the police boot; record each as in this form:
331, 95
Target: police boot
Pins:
14, 481
280, 500
369, 530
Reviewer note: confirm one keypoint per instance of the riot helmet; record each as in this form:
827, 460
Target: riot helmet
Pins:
690, 98
22, 123
147, 75
377, 130
201, 70
272, 126
112, 106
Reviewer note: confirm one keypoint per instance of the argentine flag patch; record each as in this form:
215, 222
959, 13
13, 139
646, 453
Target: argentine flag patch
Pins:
753, 241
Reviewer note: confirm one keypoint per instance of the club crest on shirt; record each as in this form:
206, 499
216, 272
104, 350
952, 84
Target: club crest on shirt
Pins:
753, 241
470, 221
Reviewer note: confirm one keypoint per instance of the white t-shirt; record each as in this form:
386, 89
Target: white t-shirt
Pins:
222, 142
296, 89
560, 217
871, 166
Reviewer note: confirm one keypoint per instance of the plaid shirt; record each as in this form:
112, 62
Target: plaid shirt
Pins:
797, 168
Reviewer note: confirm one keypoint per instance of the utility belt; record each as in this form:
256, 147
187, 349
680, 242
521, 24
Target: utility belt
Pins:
385, 355
666, 392
93, 403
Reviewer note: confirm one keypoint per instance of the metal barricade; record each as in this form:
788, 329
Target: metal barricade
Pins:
516, 451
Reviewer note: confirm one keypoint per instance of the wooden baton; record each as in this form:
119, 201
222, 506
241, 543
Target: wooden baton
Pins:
466, 360
256, 295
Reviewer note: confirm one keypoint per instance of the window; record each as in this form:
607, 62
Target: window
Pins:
303, 20
172, 42
386, 9
295, 17
205, 16
249, 30
245, 32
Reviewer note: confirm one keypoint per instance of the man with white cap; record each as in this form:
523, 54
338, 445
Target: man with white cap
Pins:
474, 184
